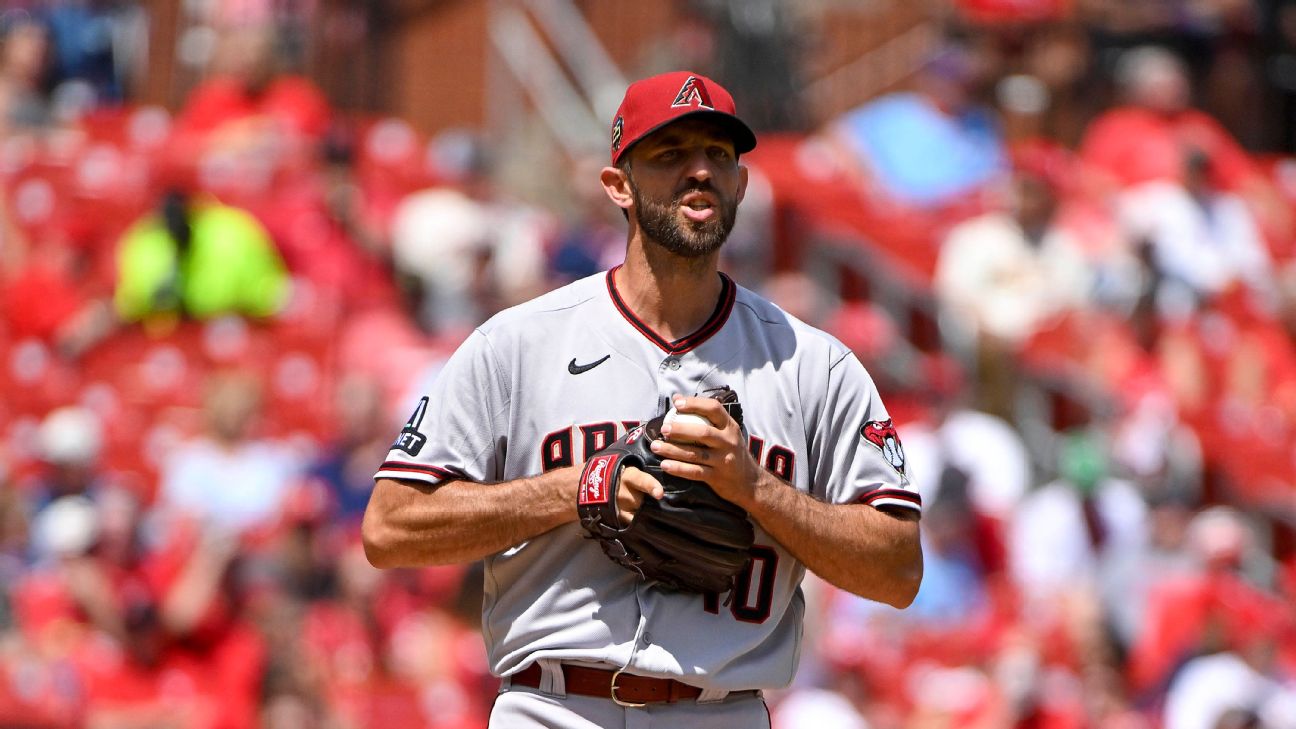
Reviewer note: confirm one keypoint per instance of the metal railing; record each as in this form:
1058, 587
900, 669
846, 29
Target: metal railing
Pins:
545, 55
875, 70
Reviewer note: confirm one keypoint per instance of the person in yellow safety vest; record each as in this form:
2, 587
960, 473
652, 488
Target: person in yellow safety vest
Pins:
198, 258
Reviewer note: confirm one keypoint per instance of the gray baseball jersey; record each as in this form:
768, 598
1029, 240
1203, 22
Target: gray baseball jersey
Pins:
548, 383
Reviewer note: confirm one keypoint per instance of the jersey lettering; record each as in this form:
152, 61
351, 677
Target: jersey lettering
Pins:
753, 591
556, 450
598, 436
753, 597
781, 462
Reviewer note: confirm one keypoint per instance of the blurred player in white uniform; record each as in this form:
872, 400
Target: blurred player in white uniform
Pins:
487, 466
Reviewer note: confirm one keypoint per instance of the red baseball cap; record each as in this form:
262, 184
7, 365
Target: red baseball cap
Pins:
654, 102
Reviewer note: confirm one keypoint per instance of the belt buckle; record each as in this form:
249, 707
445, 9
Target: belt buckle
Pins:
616, 699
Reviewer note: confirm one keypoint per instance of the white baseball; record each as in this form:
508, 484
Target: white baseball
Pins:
674, 416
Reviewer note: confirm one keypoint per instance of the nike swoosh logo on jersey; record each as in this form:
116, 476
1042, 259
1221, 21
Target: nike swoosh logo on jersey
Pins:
576, 369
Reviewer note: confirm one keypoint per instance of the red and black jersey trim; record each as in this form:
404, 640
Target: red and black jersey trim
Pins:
892, 494
445, 473
728, 294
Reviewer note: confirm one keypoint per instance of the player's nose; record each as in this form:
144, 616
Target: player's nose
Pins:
700, 166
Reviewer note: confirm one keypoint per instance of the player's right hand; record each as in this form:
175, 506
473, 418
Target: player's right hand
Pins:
634, 484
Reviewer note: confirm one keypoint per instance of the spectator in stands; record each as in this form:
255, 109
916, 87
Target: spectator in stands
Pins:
340, 635
247, 98
323, 224
69, 442
227, 478
1130, 576
951, 432
374, 646
465, 251
91, 553
590, 238
363, 437
1145, 137
1234, 689
196, 257
24, 65
1222, 605
977, 459
1154, 133
441, 248
953, 589
249, 121
92, 46
1063, 532
1005, 272
1203, 239
189, 655
933, 146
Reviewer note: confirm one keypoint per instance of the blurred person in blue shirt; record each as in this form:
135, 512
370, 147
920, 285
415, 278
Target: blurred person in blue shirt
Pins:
953, 588
87, 42
930, 146
363, 437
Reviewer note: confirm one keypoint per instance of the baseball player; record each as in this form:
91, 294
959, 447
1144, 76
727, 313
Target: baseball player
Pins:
491, 464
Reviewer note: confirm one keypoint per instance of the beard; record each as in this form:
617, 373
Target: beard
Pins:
662, 223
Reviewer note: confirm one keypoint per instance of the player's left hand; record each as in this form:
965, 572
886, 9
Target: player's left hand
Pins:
715, 453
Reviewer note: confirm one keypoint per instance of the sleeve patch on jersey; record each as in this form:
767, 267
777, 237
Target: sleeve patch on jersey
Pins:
594, 479
882, 433
411, 440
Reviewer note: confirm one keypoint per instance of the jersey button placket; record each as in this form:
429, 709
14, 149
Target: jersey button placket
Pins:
668, 373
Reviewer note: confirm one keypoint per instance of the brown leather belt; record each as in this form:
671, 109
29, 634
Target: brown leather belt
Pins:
625, 689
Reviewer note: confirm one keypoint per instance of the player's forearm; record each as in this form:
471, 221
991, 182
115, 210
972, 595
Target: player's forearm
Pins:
855, 547
408, 524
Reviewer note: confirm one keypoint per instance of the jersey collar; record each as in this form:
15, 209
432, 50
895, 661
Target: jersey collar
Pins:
713, 324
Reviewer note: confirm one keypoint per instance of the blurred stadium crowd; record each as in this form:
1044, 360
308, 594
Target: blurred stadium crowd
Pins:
1065, 247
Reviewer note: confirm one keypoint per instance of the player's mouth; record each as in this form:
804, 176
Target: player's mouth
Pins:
698, 207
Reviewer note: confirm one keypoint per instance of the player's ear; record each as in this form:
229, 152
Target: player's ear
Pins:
742, 182
616, 183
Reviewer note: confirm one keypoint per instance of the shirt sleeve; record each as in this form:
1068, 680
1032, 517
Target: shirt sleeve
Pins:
855, 451
454, 430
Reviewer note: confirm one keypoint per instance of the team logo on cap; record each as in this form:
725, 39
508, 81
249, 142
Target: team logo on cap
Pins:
693, 93
618, 127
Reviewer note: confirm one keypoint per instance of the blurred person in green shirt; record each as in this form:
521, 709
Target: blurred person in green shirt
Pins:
198, 258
